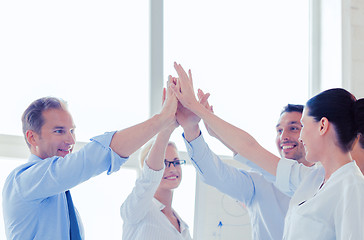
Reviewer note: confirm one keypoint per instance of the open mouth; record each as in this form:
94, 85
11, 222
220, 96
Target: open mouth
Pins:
64, 152
174, 177
288, 148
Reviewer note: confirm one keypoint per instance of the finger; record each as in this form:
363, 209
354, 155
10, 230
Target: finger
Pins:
178, 85
176, 91
199, 94
180, 71
164, 95
190, 77
204, 100
174, 80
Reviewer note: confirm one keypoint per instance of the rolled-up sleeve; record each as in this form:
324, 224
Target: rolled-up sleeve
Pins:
41, 178
290, 174
115, 160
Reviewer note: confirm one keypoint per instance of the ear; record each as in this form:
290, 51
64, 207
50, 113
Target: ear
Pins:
31, 138
324, 126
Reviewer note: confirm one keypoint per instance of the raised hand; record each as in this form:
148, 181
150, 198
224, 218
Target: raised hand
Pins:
170, 102
184, 88
203, 98
187, 118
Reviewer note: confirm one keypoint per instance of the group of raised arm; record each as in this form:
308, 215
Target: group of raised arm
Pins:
314, 190
327, 198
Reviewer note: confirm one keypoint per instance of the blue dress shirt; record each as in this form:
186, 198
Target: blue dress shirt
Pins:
267, 206
34, 200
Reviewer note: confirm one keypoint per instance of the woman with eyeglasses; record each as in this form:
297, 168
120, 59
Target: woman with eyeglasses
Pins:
147, 212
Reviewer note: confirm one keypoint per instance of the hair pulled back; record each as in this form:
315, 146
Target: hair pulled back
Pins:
342, 109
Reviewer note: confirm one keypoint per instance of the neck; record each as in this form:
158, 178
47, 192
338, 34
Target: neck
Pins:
333, 161
359, 160
358, 155
165, 197
305, 162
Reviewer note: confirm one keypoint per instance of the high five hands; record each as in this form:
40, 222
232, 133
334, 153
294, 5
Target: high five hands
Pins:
187, 101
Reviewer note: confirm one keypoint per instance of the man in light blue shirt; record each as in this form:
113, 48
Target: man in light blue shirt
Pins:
266, 204
35, 204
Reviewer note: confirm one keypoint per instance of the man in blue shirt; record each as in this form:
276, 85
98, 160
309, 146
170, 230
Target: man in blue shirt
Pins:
36, 201
267, 206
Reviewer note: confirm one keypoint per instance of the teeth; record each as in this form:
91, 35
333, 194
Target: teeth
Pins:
174, 177
287, 147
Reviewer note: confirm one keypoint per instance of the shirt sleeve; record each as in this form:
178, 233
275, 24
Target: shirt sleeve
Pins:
255, 167
290, 174
227, 179
46, 177
140, 200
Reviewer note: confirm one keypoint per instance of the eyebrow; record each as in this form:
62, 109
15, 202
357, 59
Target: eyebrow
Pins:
290, 123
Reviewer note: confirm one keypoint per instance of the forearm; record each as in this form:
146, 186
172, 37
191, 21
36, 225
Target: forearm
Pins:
191, 132
227, 145
214, 172
238, 140
155, 159
127, 141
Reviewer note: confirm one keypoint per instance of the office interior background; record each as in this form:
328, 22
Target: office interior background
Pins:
110, 60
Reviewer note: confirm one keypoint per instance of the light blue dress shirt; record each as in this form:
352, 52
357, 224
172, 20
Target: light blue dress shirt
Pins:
34, 200
256, 168
267, 206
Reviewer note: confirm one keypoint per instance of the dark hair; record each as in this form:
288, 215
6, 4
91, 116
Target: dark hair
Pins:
361, 141
342, 109
32, 118
292, 108
359, 116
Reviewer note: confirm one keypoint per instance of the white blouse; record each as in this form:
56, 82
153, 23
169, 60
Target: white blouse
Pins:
333, 211
142, 215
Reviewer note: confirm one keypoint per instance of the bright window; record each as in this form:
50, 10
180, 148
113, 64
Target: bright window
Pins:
252, 56
93, 54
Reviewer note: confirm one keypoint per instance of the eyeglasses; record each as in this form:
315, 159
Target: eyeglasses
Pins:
175, 163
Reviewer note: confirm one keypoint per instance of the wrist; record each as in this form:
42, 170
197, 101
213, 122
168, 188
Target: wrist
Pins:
191, 132
163, 118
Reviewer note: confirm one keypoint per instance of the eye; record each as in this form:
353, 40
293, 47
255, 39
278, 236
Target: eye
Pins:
279, 131
59, 131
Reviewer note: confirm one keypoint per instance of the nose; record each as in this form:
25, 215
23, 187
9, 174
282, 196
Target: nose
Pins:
70, 138
284, 135
171, 166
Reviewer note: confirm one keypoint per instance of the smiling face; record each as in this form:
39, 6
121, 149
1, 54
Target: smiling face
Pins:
288, 133
310, 137
173, 174
57, 136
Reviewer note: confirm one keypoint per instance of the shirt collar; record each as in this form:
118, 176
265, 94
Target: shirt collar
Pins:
34, 158
160, 205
